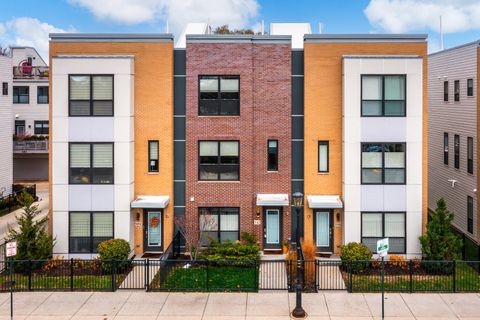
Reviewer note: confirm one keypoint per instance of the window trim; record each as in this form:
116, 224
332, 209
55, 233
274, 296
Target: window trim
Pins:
218, 158
383, 227
456, 151
91, 93
470, 88
13, 95
470, 216
91, 163
4, 88
456, 86
446, 88
383, 96
446, 148
91, 229
325, 143
42, 122
48, 95
158, 157
219, 223
268, 155
383, 164
219, 76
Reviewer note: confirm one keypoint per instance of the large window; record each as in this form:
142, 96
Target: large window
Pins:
383, 163
91, 95
445, 90
470, 155
272, 164
456, 90
445, 148
42, 95
41, 127
153, 156
456, 146
323, 155
383, 95
21, 95
5, 88
88, 229
220, 224
470, 87
219, 160
91, 163
378, 225
469, 214
219, 96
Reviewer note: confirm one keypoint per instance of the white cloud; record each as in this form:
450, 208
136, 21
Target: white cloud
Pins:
26, 31
400, 16
235, 13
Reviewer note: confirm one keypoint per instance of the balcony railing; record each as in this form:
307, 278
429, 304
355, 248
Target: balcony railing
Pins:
30, 72
32, 146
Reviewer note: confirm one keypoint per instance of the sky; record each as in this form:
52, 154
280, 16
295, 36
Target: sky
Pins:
28, 22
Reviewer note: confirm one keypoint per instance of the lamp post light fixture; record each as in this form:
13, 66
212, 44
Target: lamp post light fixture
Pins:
298, 312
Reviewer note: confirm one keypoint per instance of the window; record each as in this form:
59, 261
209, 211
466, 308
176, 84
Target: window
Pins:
91, 163
219, 96
42, 95
21, 95
470, 155
445, 148
91, 95
221, 224
456, 146
272, 155
323, 154
470, 87
219, 160
469, 214
378, 225
5, 88
445, 90
19, 127
153, 156
383, 163
456, 90
88, 229
383, 96
41, 127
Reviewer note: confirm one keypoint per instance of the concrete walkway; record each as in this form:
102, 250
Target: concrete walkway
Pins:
270, 305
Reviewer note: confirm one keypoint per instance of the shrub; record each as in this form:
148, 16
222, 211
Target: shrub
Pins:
310, 254
354, 251
114, 249
248, 238
230, 251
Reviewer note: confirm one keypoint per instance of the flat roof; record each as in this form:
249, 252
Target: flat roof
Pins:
365, 37
238, 38
476, 42
111, 37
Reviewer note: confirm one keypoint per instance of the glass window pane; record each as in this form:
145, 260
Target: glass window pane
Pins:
102, 87
79, 156
208, 172
394, 175
229, 85
228, 221
102, 108
153, 150
80, 108
229, 148
323, 157
371, 108
80, 224
371, 159
394, 87
371, 243
229, 235
394, 108
372, 225
229, 172
394, 159
208, 148
79, 88
371, 88
103, 155
371, 175
209, 84
394, 225
208, 222
397, 245
102, 224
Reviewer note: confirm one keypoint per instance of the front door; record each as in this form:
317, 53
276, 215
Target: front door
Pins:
272, 227
152, 225
324, 230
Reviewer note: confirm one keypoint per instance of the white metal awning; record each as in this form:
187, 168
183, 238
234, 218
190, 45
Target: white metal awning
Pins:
324, 202
150, 202
273, 199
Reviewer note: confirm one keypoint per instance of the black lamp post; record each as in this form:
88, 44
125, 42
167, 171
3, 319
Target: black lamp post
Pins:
298, 312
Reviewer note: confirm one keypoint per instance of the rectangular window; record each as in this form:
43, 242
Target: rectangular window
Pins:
41, 127
42, 95
456, 146
153, 156
469, 214
470, 87
219, 160
383, 95
88, 229
456, 90
383, 163
445, 148
470, 155
219, 224
21, 95
272, 155
219, 96
91, 163
19, 127
378, 225
5, 88
91, 95
445, 90
323, 155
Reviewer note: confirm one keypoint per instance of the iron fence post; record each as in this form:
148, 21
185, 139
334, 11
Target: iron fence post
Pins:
350, 276
29, 275
113, 270
410, 267
454, 277
71, 274
147, 280
206, 263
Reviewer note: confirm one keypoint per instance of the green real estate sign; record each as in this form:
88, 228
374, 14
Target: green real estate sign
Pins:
383, 247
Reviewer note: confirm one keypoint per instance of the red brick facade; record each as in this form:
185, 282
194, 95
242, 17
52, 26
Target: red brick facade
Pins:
265, 113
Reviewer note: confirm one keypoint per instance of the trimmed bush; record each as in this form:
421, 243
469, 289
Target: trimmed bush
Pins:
114, 249
230, 251
354, 251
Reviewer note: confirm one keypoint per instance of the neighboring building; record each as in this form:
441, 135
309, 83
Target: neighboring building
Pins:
453, 138
6, 154
30, 98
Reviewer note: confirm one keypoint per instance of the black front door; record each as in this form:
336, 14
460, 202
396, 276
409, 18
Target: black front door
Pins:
323, 230
153, 230
272, 227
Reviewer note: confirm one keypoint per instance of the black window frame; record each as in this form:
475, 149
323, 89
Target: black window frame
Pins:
42, 130
18, 95
445, 148
218, 164
153, 168
20, 123
383, 213
219, 99
218, 214
383, 76
470, 214
91, 100
445, 91
470, 155
456, 90
5, 88
470, 87
91, 169
456, 151
272, 156
39, 88
383, 144
323, 143
91, 238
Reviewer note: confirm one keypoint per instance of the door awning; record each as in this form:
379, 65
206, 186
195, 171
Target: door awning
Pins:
324, 202
150, 202
273, 199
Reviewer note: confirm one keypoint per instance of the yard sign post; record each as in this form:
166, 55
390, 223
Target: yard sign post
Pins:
382, 250
11, 252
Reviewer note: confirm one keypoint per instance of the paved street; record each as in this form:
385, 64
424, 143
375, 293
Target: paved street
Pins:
269, 305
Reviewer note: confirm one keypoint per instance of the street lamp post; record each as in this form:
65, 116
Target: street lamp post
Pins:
298, 312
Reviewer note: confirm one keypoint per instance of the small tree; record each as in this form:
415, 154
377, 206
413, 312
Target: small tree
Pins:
226, 30
440, 243
33, 240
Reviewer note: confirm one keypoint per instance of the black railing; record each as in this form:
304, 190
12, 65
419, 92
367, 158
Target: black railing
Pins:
11, 202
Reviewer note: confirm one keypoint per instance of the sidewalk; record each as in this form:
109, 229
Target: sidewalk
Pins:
271, 305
